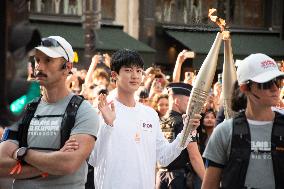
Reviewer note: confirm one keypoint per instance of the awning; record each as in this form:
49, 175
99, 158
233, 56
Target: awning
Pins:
199, 42
113, 38
243, 44
108, 38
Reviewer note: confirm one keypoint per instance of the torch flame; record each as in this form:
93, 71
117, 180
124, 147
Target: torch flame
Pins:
219, 21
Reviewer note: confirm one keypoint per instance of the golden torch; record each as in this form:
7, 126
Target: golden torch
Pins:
229, 77
202, 85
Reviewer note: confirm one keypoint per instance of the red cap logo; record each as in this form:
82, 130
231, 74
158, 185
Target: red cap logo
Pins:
267, 64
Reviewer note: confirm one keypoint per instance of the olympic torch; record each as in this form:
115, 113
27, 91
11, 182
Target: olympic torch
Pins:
204, 79
229, 77
202, 85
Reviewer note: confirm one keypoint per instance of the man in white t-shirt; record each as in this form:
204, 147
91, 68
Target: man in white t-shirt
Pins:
130, 142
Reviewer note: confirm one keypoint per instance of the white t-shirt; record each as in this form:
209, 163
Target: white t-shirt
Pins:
125, 155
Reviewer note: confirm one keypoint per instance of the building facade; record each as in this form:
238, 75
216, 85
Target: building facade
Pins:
114, 25
255, 26
160, 29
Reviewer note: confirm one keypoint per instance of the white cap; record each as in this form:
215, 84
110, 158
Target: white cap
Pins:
56, 52
259, 68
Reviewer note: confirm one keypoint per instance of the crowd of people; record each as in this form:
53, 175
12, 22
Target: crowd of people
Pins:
152, 92
127, 123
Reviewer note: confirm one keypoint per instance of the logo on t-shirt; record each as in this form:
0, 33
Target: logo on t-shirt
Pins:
260, 150
44, 127
147, 126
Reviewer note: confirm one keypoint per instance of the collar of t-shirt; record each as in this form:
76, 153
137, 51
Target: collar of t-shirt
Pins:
256, 122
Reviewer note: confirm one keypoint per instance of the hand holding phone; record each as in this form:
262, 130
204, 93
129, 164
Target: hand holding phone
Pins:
189, 54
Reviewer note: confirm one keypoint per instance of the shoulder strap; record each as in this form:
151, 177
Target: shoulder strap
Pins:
68, 119
277, 138
241, 134
235, 170
25, 123
277, 149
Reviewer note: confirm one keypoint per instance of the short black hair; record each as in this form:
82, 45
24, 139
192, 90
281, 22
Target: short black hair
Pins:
125, 58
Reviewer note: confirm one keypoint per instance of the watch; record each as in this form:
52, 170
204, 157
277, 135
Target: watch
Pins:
21, 152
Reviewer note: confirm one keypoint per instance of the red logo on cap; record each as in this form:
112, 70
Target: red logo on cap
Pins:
267, 64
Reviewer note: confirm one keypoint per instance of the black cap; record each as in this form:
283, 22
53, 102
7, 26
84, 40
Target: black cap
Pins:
143, 94
179, 89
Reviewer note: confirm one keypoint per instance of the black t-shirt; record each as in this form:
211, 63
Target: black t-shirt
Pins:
175, 121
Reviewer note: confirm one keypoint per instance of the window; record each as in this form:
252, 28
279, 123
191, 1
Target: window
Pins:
69, 8
276, 14
56, 7
108, 9
248, 13
252, 14
183, 11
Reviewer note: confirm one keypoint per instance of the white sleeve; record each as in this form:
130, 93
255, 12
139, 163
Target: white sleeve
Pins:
101, 146
167, 152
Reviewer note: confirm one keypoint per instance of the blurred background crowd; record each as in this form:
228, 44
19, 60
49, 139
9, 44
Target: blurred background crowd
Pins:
153, 90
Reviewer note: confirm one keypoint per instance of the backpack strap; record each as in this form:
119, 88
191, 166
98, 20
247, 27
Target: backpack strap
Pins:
277, 137
25, 123
241, 134
277, 149
234, 173
68, 120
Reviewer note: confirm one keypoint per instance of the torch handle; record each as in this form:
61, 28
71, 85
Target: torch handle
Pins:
202, 86
194, 106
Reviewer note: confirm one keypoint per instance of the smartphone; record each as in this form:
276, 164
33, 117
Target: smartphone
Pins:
189, 54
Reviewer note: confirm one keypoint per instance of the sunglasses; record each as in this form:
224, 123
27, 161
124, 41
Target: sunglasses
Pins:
270, 84
49, 42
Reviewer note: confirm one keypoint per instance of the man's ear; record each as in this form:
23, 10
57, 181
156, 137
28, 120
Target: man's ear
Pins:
244, 88
176, 101
69, 65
